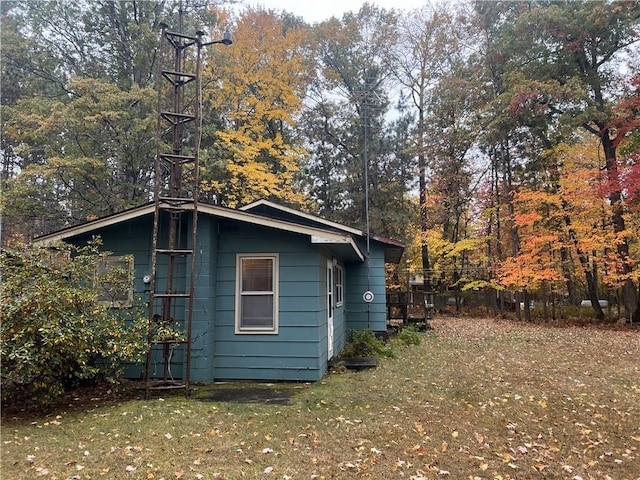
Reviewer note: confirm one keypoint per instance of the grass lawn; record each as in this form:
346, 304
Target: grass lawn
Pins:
478, 399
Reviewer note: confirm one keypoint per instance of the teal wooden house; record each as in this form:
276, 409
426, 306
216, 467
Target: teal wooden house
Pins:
276, 289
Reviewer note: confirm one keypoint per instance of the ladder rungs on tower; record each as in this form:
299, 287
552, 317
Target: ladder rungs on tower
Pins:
172, 158
176, 118
178, 78
166, 251
171, 293
175, 204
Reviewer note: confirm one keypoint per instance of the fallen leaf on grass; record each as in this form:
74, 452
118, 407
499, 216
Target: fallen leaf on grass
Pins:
506, 457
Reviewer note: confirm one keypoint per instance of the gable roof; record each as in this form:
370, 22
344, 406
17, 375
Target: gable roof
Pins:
393, 248
274, 210
343, 242
260, 213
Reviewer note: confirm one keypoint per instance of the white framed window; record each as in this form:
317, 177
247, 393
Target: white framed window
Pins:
339, 281
114, 281
257, 293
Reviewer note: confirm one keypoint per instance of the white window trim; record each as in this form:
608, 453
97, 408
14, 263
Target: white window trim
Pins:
339, 283
276, 293
109, 260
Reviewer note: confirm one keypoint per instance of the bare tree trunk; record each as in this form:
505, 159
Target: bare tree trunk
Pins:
508, 195
568, 278
527, 305
424, 225
590, 276
629, 290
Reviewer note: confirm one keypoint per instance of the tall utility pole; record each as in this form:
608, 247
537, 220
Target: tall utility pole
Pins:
175, 224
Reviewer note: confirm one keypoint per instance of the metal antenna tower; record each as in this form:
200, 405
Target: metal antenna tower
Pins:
175, 223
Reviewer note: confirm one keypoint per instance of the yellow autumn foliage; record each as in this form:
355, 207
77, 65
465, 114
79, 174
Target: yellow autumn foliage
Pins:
260, 83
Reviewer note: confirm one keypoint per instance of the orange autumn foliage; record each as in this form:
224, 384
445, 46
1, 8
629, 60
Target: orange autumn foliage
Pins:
574, 214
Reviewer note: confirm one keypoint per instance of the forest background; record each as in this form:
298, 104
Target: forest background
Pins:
499, 140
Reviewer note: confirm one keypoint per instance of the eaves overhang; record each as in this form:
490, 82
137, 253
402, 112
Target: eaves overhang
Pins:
316, 235
393, 249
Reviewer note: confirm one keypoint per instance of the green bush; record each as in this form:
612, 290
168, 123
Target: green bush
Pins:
363, 343
409, 336
54, 333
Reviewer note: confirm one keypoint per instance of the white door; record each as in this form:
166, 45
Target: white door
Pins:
329, 309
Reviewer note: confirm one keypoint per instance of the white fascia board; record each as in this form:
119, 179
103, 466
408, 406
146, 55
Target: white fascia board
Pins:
93, 225
308, 216
317, 235
214, 210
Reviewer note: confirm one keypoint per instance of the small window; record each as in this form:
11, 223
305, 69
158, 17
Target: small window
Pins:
257, 294
114, 281
339, 279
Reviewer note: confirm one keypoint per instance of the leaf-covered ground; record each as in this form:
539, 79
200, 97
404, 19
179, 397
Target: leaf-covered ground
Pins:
478, 399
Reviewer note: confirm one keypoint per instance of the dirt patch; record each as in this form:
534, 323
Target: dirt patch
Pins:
101, 393
264, 393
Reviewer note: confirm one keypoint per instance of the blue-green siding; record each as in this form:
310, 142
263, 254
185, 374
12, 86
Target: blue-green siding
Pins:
299, 350
128, 238
294, 352
360, 278
205, 301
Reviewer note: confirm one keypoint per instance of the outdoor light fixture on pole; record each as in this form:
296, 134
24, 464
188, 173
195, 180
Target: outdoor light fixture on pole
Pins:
226, 39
